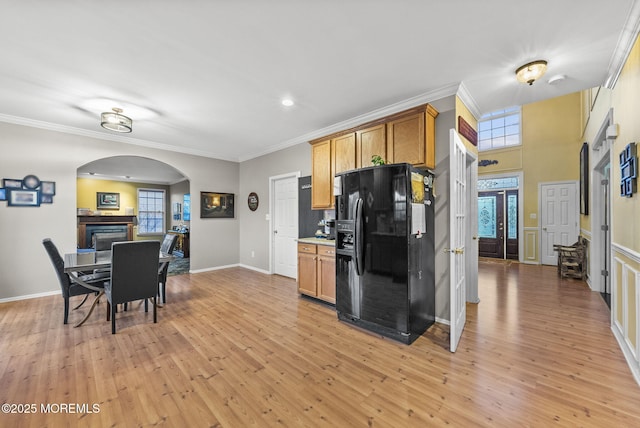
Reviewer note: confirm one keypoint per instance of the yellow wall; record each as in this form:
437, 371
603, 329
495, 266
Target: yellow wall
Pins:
462, 110
88, 188
624, 103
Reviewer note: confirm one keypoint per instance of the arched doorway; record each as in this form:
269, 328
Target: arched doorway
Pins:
145, 195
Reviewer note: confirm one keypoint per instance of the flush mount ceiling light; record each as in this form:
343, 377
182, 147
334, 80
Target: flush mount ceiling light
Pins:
287, 102
114, 121
531, 72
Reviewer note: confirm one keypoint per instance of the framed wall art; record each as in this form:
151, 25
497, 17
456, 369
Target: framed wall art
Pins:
584, 179
48, 187
216, 205
12, 183
23, 198
108, 201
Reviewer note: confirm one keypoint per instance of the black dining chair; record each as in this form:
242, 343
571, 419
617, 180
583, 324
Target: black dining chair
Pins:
68, 286
134, 276
168, 245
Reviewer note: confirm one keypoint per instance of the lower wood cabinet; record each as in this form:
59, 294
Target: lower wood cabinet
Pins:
317, 271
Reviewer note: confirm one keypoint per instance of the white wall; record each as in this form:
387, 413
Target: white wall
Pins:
25, 268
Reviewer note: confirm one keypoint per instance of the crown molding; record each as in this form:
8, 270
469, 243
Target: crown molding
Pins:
108, 137
625, 43
468, 100
426, 97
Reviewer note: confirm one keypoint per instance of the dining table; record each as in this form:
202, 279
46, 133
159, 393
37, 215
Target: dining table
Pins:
82, 263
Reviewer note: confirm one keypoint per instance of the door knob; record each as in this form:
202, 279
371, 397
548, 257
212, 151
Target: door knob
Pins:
544, 228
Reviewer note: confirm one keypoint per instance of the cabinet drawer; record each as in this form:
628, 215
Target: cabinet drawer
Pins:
307, 248
325, 250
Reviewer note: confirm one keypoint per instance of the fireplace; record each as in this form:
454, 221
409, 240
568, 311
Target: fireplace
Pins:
90, 225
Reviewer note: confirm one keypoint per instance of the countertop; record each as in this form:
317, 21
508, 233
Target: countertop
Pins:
318, 241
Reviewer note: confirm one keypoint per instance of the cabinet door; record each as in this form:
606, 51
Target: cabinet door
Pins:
327, 275
307, 277
405, 140
370, 142
345, 153
321, 175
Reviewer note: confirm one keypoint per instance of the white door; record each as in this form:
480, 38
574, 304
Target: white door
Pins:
457, 237
285, 226
558, 218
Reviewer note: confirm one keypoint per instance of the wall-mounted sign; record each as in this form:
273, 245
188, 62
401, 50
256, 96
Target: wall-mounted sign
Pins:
467, 131
253, 201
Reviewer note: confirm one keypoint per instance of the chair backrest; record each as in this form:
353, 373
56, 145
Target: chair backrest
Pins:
169, 243
134, 270
58, 265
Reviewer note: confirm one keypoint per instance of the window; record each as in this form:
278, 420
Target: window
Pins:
151, 207
499, 129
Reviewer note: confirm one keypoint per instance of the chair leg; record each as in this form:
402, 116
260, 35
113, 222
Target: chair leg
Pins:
155, 316
66, 310
108, 311
164, 292
113, 319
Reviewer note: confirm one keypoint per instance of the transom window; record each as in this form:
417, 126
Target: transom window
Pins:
499, 129
151, 211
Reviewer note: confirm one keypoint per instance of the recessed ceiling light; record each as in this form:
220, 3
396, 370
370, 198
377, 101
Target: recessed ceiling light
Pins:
287, 102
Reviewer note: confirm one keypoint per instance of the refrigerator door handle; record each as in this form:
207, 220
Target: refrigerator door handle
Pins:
357, 237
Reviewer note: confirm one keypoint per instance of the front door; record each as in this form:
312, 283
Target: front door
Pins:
498, 224
558, 218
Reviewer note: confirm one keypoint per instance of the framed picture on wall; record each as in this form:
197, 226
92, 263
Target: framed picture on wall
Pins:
108, 201
23, 198
216, 205
584, 179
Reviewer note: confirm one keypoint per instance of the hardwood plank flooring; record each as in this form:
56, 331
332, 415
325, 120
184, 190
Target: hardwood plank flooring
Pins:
237, 348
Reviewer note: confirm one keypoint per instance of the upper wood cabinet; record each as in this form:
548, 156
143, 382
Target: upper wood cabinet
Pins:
370, 142
411, 139
344, 149
408, 136
321, 175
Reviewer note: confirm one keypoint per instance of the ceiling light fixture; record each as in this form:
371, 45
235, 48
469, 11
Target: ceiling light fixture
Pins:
287, 102
114, 121
531, 72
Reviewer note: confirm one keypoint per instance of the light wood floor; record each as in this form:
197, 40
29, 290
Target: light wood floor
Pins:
237, 348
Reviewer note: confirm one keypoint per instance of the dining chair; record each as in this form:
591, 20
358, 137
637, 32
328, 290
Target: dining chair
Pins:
68, 286
134, 276
168, 245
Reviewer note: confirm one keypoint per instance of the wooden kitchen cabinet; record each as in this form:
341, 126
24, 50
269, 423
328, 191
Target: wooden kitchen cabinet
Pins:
344, 153
317, 271
408, 136
411, 138
369, 142
321, 175
330, 157
326, 273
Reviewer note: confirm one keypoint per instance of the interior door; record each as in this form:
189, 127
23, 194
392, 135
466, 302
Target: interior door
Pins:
285, 221
558, 218
457, 236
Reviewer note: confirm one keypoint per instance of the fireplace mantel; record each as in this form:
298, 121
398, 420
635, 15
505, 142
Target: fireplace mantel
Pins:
104, 220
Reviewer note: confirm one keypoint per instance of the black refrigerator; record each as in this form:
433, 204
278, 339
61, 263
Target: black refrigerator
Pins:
385, 280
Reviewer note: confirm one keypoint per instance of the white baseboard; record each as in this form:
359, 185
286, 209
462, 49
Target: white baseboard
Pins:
31, 296
266, 272
213, 268
627, 352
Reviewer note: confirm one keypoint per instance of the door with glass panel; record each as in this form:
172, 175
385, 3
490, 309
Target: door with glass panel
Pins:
498, 224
